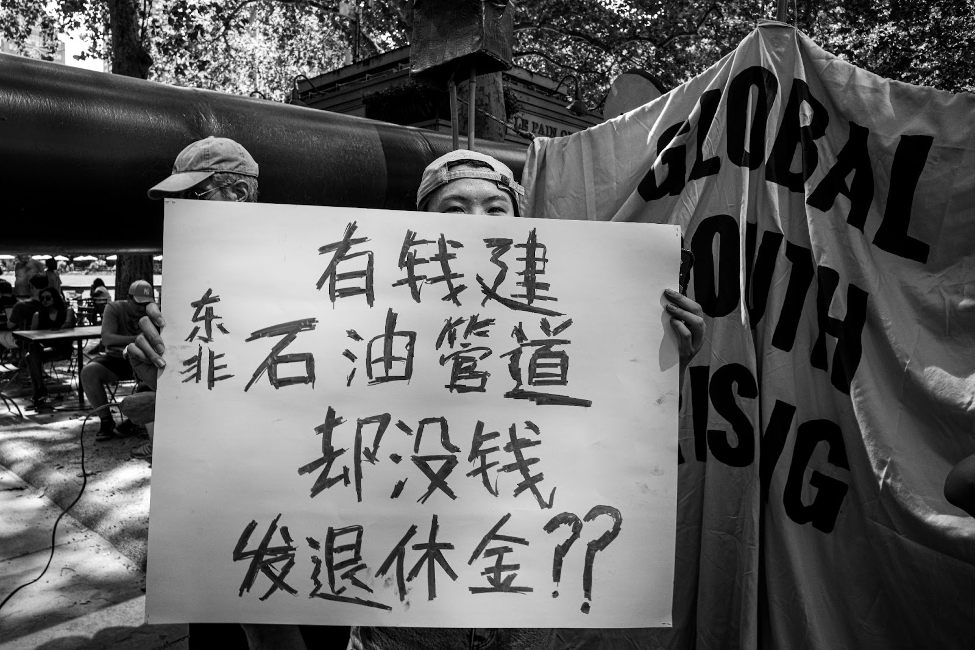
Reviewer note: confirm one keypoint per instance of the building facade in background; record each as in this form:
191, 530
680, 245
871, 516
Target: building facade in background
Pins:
38, 46
380, 88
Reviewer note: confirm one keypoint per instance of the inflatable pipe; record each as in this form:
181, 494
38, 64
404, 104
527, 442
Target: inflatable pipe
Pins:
79, 149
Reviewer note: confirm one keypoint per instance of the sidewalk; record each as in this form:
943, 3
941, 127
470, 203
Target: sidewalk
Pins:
93, 594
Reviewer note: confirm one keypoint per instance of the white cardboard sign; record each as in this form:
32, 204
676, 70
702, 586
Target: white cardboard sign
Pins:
373, 417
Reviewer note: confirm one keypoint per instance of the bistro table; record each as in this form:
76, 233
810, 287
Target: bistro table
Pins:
77, 334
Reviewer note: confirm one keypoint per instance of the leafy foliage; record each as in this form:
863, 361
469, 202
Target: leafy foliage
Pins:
260, 46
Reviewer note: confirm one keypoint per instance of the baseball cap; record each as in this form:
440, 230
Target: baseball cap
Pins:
142, 292
438, 174
203, 159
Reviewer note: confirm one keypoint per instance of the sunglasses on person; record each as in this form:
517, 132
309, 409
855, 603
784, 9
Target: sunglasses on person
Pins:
201, 195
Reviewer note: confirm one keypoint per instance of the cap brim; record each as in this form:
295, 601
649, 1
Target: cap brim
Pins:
142, 300
178, 183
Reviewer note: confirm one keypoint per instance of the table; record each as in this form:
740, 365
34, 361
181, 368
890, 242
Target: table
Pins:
77, 334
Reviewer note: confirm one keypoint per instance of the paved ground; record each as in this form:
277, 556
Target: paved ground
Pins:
93, 593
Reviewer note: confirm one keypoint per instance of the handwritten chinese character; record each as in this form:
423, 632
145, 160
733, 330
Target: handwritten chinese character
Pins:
265, 557
205, 305
493, 573
329, 456
522, 464
342, 560
290, 331
409, 260
194, 367
433, 554
386, 356
341, 255
534, 265
465, 377
547, 366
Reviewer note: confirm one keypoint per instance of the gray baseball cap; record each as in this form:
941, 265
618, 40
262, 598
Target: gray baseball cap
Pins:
203, 159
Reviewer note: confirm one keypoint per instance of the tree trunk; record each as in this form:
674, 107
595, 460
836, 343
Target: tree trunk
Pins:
488, 98
131, 59
129, 54
128, 269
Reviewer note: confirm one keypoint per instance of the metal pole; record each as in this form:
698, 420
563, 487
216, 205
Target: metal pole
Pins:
453, 97
471, 109
356, 38
782, 10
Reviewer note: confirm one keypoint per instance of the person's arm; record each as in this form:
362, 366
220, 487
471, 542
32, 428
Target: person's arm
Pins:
148, 346
110, 330
689, 325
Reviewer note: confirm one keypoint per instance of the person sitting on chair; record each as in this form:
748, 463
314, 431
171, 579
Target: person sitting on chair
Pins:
100, 297
53, 315
22, 312
7, 303
120, 325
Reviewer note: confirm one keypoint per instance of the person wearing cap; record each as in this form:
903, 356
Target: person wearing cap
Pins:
120, 326
212, 169
462, 182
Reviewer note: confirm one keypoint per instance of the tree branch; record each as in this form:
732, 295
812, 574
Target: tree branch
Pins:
698, 26
525, 53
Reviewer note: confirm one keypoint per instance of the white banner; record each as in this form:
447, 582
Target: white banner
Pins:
831, 214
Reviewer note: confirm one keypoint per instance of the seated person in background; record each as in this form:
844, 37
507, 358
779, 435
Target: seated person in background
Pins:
51, 271
53, 315
120, 325
99, 295
7, 302
23, 312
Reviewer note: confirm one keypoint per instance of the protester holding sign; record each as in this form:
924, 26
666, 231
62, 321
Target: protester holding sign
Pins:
461, 182
212, 169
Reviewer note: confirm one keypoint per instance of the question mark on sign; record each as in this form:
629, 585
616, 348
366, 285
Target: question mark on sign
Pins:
593, 547
569, 519
596, 546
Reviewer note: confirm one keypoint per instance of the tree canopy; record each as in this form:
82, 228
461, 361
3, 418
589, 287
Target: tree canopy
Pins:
261, 46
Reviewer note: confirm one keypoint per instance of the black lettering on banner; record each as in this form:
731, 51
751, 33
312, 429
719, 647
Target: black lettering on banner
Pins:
699, 385
907, 166
853, 157
717, 301
674, 159
848, 332
737, 105
721, 394
719, 391
801, 275
823, 512
772, 443
708, 106
760, 273
792, 135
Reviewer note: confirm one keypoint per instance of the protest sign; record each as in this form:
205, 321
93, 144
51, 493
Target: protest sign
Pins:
410, 419
831, 214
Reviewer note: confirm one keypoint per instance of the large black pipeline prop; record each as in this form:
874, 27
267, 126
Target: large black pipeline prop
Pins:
79, 149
